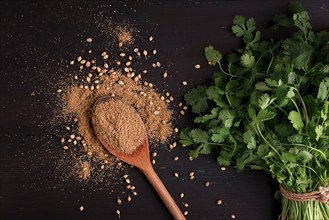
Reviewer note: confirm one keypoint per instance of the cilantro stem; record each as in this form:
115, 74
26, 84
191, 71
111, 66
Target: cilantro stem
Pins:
309, 147
304, 106
270, 64
226, 73
218, 144
273, 148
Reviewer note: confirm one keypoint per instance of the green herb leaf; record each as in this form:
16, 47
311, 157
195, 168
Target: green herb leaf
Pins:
213, 56
296, 120
197, 98
199, 136
247, 60
184, 137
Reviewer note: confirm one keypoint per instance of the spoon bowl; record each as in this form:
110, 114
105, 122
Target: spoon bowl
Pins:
140, 158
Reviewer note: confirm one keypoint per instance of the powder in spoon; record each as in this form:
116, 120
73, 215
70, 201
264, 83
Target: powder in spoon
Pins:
119, 125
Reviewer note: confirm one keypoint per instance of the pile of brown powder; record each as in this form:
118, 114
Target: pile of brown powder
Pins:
153, 110
112, 73
119, 125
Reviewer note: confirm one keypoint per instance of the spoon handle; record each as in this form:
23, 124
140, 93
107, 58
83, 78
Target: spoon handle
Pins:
163, 193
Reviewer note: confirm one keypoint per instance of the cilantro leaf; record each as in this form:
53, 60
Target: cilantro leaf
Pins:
247, 60
296, 120
197, 98
304, 156
184, 137
213, 56
264, 115
323, 91
220, 134
265, 100
199, 136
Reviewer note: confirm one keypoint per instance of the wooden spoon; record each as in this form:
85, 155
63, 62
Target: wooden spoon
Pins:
140, 158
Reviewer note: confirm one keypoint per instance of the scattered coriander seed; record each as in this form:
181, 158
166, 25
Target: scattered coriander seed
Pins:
132, 187
127, 181
119, 201
223, 168
79, 58
153, 161
103, 53
185, 107
174, 144
105, 57
219, 202
83, 61
88, 64
191, 177
62, 140
128, 186
184, 83
118, 213
180, 104
232, 216
121, 82
89, 40
65, 147
154, 154
176, 130
145, 53
207, 183
59, 90
176, 158
182, 112
151, 38
122, 54
154, 52
120, 44
125, 176
176, 174
197, 66
185, 212
144, 71
191, 173
81, 208
158, 64
181, 195
72, 136
165, 75
72, 62
185, 204
102, 166
128, 198
153, 65
68, 128
136, 50
134, 193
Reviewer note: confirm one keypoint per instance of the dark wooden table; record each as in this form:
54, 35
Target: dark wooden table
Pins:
38, 37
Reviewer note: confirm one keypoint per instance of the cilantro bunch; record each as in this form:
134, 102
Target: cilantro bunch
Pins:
267, 108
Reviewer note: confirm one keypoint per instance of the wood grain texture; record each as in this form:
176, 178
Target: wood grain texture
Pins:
38, 37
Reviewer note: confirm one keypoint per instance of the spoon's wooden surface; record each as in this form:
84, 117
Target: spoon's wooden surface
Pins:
141, 159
